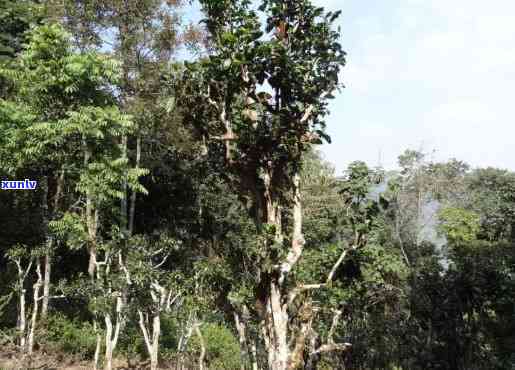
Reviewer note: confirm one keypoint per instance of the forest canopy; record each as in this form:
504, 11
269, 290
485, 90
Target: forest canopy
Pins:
183, 216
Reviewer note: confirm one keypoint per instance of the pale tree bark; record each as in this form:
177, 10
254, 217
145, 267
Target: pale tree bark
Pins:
95, 271
48, 252
46, 282
35, 308
286, 344
22, 305
151, 337
96, 356
112, 333
49, 242
163, 300
202, 355
277, 307
280, 328
305, 318
184, 338
113, 325
91, 219
242, 338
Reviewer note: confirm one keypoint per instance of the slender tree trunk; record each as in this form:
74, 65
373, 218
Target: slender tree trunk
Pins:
91, 219
123, 205
202, 354
48, 239
156, 332
46, 282
92, 225
240, 328
253, 352
133, 195
108, 343
35, 309
112, 333
152, 344
22, 324
50, 244
98, 345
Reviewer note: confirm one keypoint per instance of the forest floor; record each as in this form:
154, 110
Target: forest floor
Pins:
10, 359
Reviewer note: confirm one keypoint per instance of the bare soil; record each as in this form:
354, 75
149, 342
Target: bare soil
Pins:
11, 359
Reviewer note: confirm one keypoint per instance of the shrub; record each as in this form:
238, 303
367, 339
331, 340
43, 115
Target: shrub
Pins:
77, 338
222, 347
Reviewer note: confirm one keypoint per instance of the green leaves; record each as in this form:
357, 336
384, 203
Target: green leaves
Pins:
70, 229
459, 225
54, 79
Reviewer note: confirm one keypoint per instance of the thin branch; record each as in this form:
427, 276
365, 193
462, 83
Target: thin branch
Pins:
162, 261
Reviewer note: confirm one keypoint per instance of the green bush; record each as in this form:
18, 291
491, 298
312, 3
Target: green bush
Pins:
132, 343
77, 338
222, 347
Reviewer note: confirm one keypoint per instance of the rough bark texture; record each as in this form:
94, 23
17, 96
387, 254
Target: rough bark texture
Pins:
276, 327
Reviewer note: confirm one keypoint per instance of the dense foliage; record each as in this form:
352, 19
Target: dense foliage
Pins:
183, 217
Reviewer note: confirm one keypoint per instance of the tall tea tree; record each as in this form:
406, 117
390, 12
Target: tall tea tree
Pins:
55, 85
263, 132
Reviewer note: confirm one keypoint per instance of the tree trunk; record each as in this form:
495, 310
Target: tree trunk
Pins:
156, 332
46, 282
123, 204
50, 243
91, 219
253, 351
92, 225
202, 354
112, 333
277, 305
35, 309
276, 316
240, 328
22, 324
48, 239
108, 342
152, 344
133, 195
279, 324
96, 357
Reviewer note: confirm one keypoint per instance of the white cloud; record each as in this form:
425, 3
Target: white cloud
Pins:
435, 72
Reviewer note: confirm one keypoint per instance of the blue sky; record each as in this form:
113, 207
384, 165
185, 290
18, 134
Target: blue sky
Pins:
425, 74
433, 75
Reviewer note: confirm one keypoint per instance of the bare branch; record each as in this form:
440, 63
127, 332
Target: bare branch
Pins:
162, 261
341, 347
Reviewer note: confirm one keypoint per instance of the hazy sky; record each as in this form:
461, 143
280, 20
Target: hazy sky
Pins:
431, 74
425, 74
